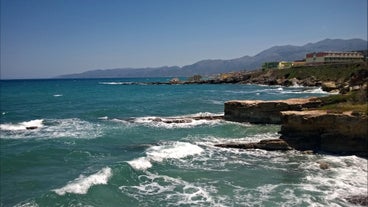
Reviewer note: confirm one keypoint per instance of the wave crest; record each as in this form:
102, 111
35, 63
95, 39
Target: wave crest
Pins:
170, 150
82, 184
50, 128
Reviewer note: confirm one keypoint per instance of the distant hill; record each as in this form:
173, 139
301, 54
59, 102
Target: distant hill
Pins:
210, 67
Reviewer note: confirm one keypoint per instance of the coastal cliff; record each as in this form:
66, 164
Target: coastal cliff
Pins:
319, 130
303, 128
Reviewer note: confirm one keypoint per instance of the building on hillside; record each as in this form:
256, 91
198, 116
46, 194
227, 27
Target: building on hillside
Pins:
333, 57
270, 65
284, 65
298, 63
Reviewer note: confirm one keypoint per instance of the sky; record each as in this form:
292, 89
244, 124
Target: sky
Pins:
46, 38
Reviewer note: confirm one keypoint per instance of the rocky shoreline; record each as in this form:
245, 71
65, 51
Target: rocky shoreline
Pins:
265, 112
302, 128
319, 130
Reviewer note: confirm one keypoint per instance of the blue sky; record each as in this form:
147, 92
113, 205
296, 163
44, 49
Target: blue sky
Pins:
46, 38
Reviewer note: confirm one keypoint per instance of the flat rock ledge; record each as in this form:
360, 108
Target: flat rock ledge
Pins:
266, 144
341, 133
265, 112
302, 128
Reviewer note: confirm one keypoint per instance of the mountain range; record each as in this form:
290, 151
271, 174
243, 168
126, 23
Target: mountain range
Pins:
210, 67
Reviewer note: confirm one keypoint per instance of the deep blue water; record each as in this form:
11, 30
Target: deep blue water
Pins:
98, 142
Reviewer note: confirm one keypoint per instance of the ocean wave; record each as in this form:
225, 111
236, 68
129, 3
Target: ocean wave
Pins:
285, 90
169, 190
346, 176
167, 150
122, 83
26, 125
58, 95
83, 183
50, 128
308, 91
27, 204
185, 121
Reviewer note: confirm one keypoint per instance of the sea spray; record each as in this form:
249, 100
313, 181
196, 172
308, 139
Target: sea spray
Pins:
169, 150
83, 183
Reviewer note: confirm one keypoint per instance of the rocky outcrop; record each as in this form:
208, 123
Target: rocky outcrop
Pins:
342, 133
180, 120
265, 112
267, 144
329, 86
361, 200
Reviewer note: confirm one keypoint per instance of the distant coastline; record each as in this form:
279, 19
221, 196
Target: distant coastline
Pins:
212, 67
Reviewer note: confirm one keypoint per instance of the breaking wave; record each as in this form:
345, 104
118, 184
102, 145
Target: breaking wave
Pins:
186, 121
83, 183
51, 128
122, 83
33, 124
169, 190
168, 150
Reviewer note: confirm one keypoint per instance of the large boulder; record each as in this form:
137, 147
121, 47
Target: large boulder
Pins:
329, 86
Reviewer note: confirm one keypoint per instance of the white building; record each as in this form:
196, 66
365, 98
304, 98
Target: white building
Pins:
333, 57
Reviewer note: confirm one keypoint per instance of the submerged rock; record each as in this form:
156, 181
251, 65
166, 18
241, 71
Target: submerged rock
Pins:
181, 120
267, 144
323, 165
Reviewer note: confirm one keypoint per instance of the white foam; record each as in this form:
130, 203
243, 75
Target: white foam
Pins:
83, 183
57, 95
172, 191
175, 150
115, 83
122, 83
103, 118
50, 128
27, 204
185, 121
303, 90
37, 123
203, 114
169, 150
319, 90
346, 176
142, 163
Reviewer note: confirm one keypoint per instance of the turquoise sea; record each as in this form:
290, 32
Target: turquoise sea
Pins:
102, 142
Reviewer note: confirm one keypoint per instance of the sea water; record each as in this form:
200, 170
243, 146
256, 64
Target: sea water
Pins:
99, 142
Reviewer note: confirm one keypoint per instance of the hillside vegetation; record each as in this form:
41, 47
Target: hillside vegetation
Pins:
342, 75
350, 80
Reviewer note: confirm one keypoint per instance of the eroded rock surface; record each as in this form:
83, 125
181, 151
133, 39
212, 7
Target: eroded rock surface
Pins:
341, 133
265, 112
